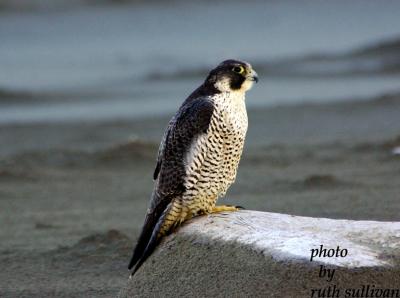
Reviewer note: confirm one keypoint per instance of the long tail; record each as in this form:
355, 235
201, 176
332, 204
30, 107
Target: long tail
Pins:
157, 224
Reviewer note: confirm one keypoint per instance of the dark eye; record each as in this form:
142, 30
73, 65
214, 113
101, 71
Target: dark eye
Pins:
238, 69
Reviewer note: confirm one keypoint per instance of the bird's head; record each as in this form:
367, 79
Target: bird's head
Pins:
232, 75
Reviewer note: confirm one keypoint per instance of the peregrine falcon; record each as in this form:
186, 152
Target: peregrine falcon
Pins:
199, 155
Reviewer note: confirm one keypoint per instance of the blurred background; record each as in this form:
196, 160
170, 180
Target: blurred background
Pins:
87, 88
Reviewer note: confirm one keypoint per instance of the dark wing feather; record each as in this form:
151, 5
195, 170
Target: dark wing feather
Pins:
161, 149
192, 119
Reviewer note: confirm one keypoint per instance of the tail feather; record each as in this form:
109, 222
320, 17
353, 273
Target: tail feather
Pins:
152, 243
154, 225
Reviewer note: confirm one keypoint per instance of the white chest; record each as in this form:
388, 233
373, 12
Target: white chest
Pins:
230, 108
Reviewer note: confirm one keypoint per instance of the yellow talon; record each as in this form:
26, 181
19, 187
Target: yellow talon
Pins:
223, 208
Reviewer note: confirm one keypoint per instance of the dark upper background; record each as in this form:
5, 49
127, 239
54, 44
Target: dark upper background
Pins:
64, 60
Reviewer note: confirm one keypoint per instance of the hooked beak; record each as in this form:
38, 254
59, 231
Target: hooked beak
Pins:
253, 76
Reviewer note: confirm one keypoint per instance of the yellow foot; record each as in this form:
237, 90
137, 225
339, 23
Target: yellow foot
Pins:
223, 208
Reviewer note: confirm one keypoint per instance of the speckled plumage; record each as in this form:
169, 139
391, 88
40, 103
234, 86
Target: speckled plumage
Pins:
199, 154
214, 156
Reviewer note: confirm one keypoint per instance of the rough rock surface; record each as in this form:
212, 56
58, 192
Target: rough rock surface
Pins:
259, 254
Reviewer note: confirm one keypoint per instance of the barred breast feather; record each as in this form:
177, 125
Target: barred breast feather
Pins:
213, 157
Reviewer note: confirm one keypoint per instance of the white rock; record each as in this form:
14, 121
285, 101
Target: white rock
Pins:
260, 254
292, 237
